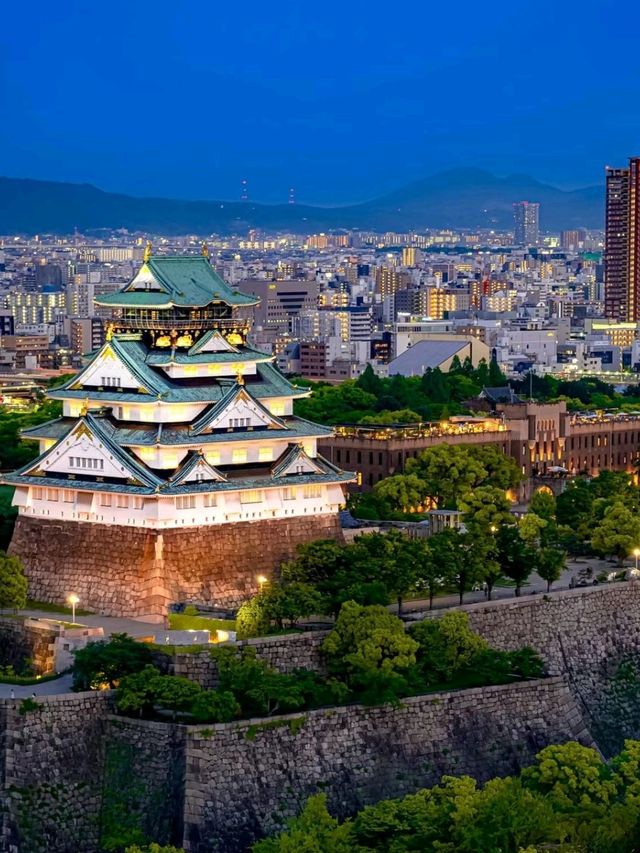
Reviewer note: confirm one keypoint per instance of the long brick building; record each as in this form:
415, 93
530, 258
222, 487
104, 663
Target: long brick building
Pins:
544, 439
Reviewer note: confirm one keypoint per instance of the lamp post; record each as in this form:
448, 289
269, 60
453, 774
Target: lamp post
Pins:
262, 580
636, 554
73, 600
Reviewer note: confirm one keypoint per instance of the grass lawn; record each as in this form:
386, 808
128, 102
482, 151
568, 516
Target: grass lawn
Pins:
47, 607
186, 622
32, 679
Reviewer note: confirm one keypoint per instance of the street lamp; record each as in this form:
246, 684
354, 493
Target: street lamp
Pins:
262, 580
636, 554
73, 600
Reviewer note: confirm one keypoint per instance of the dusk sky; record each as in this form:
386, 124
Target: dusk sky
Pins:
343, 100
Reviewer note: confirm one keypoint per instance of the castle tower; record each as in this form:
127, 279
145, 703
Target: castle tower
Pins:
178, 470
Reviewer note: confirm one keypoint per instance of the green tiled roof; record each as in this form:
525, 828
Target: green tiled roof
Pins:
184, 282
164, 358
266, 382
137, 435
95, 426
202, 422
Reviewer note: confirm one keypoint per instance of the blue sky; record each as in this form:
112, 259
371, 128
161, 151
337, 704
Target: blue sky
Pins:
343, 101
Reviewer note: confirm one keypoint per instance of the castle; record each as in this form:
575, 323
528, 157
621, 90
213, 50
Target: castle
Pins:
178, 470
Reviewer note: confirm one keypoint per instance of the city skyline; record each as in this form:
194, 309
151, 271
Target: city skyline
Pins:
368, 108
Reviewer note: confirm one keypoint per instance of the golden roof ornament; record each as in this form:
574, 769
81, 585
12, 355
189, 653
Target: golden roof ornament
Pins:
147, 252
240, 378
109, 333
204, 250
85, 407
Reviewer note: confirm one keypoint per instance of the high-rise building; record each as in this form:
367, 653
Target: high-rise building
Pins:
526, 219
622, 242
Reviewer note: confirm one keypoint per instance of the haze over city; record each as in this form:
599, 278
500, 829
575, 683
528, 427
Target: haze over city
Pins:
343, 102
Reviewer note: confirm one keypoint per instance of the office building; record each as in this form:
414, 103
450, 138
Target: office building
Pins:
526, 221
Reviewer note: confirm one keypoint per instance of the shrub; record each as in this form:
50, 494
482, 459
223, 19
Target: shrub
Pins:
370, 649
103, 663
446, 646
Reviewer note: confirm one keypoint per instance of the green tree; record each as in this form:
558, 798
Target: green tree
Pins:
516, 558
396, 561
314, 831
103, 662
136, 692
549, 564
543, 504
401, 492
431, 574
501, 470
485, 510
257, 687
447, 471
531, 528
618, 533
13, 583
371, 650
446, 646
215, 706
454, 552
253, 618
369, 382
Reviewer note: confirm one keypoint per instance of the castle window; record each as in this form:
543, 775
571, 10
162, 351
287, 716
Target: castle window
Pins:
186, 502
312, 491
52, 494
138, 503
265, 454
105, 500
110, 381
210, 500
289, 494
37, 494
254, 496
239, 422
68, 497
122, 501
238, 457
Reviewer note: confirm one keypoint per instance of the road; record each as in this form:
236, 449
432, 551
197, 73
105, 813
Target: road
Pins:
47, 688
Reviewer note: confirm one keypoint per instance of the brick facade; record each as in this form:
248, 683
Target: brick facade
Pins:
128, 571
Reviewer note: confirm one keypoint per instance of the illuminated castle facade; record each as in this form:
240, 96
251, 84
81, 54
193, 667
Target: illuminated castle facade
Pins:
178, 470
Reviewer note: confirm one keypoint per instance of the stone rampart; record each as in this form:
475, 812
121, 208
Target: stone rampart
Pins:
23, 640
51, 765
244, 780
129, 571
285, 652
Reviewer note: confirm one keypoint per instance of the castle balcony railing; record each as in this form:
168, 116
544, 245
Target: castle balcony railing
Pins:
166, 325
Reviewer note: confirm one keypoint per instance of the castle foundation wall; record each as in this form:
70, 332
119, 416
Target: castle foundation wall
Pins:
137, 572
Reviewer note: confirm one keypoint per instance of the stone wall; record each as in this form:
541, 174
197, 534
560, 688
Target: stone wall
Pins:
244, 780
51, 767
284, 653
144, 780
28, 640
128, 571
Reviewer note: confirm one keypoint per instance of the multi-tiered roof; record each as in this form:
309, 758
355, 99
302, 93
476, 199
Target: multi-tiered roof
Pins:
177, 403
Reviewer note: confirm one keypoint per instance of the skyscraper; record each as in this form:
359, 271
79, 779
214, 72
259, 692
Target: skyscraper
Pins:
622, 242
526, 219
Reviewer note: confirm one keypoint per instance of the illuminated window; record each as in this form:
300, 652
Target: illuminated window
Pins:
289, 494
68, 497
238, 457
213, 458
37, 494
105, 500
138, 503
265, 454
210, 500
312, 491
52, 494
251, 497
122, 501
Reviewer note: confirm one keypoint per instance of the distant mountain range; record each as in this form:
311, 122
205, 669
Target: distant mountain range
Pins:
458, 198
